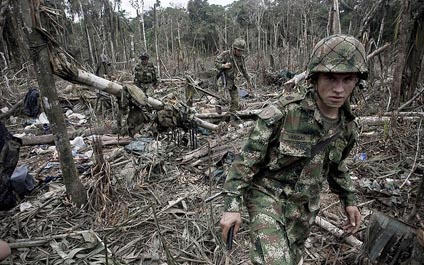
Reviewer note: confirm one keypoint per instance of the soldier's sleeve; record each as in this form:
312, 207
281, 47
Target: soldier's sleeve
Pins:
338, 174
219, 60
251, 158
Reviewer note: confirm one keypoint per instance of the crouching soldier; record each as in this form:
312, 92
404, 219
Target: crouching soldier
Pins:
133, 114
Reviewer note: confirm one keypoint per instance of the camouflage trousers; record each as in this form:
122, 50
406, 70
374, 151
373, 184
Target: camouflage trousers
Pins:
234, 97
279, 227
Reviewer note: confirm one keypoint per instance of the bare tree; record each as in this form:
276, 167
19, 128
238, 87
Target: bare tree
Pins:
139, 7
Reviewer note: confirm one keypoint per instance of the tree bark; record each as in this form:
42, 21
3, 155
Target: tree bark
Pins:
403, 36
156, 37
3, 7
336, 18
415, 52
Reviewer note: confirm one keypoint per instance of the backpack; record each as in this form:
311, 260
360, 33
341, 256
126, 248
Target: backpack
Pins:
9, 156
31, 103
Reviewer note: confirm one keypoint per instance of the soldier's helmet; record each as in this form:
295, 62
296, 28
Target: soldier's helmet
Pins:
144, 56
239, 44
338, 54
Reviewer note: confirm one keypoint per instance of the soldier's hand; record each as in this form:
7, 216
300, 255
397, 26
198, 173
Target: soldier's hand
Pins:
353, 220
227, 220
226, 65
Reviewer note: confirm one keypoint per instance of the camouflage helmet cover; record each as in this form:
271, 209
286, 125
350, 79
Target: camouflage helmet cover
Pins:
144, 55
239, 44
338, 54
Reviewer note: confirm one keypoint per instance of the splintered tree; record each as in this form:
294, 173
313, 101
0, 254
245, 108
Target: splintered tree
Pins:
39, 42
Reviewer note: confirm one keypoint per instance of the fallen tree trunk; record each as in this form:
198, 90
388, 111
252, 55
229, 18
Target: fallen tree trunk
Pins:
374, 120
71, 73
241, 114
49, 138
204, 150
12, 110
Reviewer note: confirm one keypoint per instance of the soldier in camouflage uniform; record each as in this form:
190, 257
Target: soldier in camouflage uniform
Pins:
229, 63
145, 74
296, 144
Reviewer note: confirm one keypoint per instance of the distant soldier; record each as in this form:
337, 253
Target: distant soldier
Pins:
230, 63
145, 74
103, 66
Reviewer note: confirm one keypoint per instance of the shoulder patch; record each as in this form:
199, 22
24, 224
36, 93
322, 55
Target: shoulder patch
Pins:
287, 99
270, 114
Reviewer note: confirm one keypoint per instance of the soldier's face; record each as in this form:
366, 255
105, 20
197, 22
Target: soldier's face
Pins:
144, 61
335, 89
237, 52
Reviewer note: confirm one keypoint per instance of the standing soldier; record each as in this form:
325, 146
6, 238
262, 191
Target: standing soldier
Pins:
103, 66
295, 145
145, 74
229, 63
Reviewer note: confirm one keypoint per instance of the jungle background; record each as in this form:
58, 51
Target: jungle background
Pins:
150, 208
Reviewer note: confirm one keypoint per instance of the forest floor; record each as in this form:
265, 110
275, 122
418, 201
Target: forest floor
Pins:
147, 206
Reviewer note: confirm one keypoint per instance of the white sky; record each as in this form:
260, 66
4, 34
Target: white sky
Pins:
148, 4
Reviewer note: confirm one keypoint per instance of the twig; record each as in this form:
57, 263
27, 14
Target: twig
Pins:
414, 166
410, 101
169, 257
378, 51
329, 206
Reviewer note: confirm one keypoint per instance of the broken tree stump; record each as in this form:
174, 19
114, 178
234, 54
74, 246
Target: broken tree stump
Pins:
390, 241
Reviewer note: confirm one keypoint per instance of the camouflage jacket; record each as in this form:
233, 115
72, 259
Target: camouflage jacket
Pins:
237, 65
284, 133
145, 74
